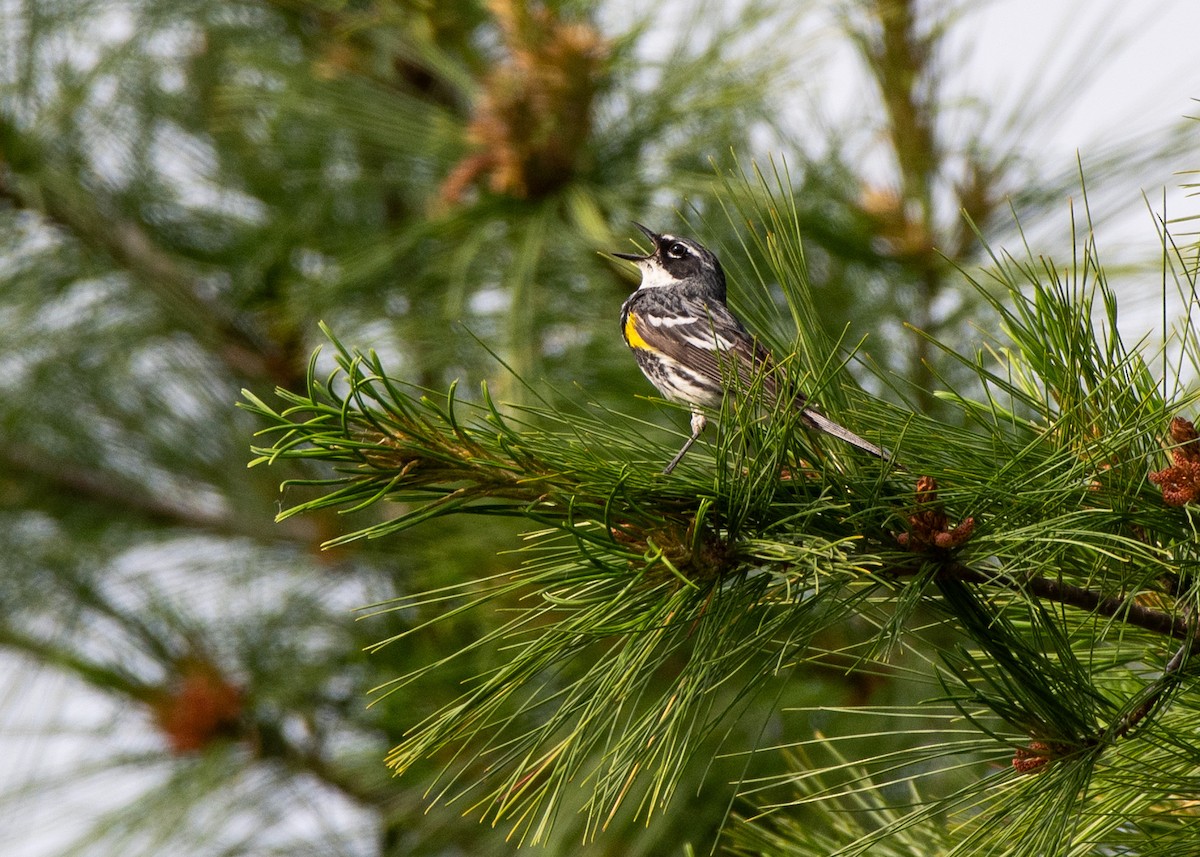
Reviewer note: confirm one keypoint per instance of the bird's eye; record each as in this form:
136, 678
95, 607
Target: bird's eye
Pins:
677, 250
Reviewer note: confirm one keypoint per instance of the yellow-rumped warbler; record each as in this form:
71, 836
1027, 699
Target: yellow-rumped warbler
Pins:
690, 345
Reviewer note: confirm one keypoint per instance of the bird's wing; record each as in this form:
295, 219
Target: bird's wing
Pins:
709, 340
705, 337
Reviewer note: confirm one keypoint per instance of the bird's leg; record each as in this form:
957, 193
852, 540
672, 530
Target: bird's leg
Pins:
698, 423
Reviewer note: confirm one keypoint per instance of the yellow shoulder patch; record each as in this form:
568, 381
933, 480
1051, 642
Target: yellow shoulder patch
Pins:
632, 336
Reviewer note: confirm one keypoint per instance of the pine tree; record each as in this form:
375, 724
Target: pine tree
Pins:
187, 189
1033, 573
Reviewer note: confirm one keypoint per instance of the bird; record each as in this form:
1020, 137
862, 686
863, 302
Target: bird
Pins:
690, 346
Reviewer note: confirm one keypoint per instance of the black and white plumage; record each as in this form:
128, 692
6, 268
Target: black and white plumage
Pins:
688, 343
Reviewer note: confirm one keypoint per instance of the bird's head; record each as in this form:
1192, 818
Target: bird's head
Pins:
675, 261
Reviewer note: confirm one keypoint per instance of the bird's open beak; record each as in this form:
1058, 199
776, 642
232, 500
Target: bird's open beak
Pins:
634, 257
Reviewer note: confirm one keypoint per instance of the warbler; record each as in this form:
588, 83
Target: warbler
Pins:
690, 346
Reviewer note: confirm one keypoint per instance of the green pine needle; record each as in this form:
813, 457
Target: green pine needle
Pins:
647, 613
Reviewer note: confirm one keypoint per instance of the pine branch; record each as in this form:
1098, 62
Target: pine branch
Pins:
30, 179
1059, 592
716, 577
389, 442
99, 675
77, 484
1156, 695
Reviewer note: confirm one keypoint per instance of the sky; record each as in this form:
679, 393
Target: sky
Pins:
1113, 72
1110, 69
1142, 76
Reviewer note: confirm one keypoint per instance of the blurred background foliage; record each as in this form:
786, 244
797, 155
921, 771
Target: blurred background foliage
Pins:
188, 187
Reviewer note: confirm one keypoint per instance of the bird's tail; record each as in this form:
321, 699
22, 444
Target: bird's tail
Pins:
822, 423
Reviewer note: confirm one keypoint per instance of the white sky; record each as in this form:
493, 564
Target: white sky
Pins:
1114, 71
1147, 79
1150, 77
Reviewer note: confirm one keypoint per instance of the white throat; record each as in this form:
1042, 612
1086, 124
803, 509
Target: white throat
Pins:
654, 275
